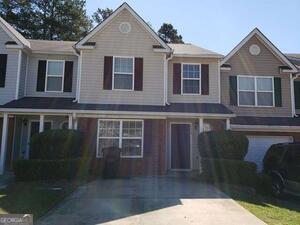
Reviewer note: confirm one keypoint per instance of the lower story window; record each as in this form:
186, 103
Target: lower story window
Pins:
125, 134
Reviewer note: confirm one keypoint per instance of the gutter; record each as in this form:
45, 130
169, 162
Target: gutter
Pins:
166, 74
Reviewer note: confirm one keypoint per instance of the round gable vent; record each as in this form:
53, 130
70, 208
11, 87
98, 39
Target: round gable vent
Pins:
254, 49
125, 27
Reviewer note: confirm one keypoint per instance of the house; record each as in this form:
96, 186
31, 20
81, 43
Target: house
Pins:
121, 85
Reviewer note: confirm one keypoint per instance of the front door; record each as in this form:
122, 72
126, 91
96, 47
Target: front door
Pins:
180, 146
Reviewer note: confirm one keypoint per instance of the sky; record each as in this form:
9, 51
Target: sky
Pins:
220, 25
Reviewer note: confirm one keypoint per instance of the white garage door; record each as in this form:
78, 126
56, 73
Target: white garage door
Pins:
258, 146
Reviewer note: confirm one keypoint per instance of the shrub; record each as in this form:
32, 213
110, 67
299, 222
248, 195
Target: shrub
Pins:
30, 170
223, 144
263, 184
56, 144
228, 171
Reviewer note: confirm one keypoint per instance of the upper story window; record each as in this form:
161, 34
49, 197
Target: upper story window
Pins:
255, 91
123, 73
55, 75
191, 78
125, 134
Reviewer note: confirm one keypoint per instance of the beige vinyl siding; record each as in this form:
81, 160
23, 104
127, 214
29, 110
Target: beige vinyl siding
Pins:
298, 110
32, 75
265, 64
213, 96
110, 42
23, 75
8, 93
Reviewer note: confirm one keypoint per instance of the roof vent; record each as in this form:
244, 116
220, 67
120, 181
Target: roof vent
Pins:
125, 28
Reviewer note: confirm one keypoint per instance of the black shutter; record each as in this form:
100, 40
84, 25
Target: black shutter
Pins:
108, 68
3, 63
41, 76
138, 74
297, 94
68, 79
205, 79
233, 90
176, 78
278, 94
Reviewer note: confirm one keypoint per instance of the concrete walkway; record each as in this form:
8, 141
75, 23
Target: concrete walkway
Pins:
149, 201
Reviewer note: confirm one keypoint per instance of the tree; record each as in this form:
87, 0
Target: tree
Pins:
101, 14
49, 19
169, 34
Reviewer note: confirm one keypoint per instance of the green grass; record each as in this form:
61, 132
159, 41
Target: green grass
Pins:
32, 198
270, 210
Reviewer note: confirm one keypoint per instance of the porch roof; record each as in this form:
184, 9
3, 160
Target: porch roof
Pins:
266, 121
47, 103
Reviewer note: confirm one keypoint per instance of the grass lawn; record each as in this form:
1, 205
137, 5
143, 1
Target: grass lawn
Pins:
33, 198
271, 210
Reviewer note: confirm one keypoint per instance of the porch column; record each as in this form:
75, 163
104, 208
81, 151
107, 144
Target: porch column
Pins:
76, 124
201, 126
228, 124
42, 119
4, 143
70, 123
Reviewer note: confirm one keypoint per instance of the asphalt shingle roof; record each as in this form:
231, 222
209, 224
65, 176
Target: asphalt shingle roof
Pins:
193, 50
52, 46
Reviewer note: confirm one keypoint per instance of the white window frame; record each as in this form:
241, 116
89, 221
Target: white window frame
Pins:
113, 73
256, 91
199, 79
120, 138
59, 76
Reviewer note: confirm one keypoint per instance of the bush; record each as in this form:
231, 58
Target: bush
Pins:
228, 171
30, 170
263, 184
56, 144
223, 145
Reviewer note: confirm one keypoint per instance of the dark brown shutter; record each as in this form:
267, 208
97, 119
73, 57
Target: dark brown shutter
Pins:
205, 79
233, 90
3, 63
176, 78
68, 79
108, 69
41, 76
278, 94
138, 74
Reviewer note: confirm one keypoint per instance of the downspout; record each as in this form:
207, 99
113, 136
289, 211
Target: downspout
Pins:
293, 78
167, 58
78, 76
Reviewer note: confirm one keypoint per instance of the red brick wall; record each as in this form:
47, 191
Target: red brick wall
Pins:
154, 152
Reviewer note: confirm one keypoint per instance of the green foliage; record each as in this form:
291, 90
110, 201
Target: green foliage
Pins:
169, 34
223, 144
31, 170
47, 20
56, 144
228, 171
101, 14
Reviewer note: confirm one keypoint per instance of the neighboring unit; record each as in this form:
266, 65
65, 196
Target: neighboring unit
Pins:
123, 86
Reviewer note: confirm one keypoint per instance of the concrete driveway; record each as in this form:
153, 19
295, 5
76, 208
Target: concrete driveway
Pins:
148, 201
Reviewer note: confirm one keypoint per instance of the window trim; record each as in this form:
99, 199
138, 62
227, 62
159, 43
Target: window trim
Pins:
256, 91
120, 137
60, 76
113, 73
199, 79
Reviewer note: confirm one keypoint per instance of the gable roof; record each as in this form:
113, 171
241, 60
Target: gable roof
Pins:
112, 16
57, 47
294, 58
190, 50
15, 35
267, 42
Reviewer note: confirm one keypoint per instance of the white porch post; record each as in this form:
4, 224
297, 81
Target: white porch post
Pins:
4, 143
42, 119
201, 125
70, 123
228, 124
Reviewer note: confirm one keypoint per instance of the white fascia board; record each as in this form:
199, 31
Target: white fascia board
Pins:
112, 16
256, 31
86, 47
265, 128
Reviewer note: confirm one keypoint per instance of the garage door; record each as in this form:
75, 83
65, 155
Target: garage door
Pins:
258, 146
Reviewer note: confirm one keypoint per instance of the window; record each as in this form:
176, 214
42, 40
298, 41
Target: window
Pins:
125, 134
191, 78
123, 73
255, 91
55, 75
64, 125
